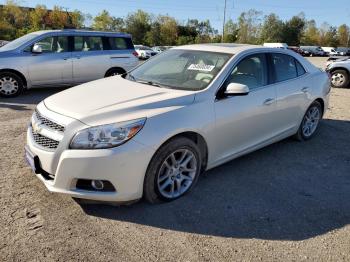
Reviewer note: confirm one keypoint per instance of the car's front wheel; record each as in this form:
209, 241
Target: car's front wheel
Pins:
173, 170
340, 78
310, 123
11, 85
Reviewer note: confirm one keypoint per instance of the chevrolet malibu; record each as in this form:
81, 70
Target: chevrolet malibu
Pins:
152, 131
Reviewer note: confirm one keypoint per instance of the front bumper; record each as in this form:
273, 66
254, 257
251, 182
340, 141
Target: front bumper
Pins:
124, 166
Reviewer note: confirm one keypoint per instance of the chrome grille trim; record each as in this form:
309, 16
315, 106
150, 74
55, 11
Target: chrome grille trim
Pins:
49, 123
44, 141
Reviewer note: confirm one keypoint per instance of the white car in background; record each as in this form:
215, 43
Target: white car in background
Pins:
145, 52
153, 131
331, 51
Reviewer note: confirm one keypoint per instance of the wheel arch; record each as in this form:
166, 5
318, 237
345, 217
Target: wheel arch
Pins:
321, 101
198, 139
115, 68
340, 68
23, 78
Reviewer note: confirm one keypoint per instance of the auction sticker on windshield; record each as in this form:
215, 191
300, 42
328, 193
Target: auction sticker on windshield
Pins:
201, 67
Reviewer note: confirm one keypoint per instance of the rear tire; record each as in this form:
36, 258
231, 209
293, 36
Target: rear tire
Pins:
168, 178
310, 123
11, 85
340, 78
114, 72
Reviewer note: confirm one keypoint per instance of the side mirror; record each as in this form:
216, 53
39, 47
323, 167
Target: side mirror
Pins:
236, 89
37, 49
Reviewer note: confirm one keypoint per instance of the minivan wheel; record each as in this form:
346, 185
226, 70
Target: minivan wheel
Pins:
173, 171
310, 123
114, 72
11, 85
340, 78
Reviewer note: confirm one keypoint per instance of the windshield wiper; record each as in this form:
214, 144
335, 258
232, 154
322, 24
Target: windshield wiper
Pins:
149, 83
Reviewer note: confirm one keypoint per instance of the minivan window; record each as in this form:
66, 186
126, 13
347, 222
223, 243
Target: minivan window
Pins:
119, 43
88, 43
52, 44
284, 66
251, 71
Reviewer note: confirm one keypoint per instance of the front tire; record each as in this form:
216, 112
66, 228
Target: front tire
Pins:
310, 123
173, 171
340, 78
11, 85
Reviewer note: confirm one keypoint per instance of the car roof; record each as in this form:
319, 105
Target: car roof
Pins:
221, 48
82, 32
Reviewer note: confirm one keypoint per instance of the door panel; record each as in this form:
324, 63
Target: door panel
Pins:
53, 66
244, 121
292, 89
90, 62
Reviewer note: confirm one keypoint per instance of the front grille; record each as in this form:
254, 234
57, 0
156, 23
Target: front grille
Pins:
48, 123
45, 141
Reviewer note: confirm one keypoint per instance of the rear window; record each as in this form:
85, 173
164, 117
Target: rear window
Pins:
88, 43
120, 43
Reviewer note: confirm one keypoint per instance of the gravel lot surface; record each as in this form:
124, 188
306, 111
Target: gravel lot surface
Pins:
286, 202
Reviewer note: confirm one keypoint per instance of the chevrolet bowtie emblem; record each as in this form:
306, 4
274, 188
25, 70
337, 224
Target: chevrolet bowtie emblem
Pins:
37, 127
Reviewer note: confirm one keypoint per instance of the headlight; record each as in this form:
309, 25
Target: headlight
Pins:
106, 136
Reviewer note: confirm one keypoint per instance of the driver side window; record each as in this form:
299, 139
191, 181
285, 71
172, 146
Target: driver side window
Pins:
251, 71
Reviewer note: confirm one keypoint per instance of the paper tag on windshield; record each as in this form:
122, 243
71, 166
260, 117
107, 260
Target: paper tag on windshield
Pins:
198, 67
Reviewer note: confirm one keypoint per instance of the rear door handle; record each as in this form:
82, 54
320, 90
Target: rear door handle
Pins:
305, 89
269, 101
78, 57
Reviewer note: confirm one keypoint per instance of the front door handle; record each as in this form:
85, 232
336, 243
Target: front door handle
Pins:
65, 58
305, 89
269, 101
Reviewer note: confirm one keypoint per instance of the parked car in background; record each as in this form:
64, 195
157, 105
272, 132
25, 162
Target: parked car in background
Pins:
152, 132
63, 58
331, 51
145, 52
159, 49
276, 45
344, 51
340, 72
3, 42
314, 50
299, 51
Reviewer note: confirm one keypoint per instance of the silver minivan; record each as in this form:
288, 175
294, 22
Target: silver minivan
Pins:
63, 58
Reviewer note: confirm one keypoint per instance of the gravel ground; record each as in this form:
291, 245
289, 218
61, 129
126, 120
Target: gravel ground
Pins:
286, 202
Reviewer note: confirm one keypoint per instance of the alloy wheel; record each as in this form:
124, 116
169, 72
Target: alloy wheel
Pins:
177, 173
310, 121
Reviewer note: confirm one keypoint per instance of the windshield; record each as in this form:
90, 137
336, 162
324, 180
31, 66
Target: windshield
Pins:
181, 69
18, 42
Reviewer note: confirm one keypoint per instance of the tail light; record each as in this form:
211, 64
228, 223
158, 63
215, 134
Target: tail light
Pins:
135, 54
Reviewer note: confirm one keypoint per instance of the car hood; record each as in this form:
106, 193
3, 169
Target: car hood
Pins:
116, 99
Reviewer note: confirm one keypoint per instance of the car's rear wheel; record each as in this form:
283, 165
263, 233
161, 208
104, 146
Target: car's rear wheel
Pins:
340, 78
310, 123
115, 72
173, 171
11, 85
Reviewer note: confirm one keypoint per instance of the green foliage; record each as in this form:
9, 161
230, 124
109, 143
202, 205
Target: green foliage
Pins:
250, 28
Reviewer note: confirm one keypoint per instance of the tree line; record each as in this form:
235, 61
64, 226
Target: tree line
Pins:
251, 27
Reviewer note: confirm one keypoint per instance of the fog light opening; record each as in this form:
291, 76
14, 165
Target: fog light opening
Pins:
97, 184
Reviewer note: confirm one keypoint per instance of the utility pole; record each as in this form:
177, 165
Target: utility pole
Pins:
223, 25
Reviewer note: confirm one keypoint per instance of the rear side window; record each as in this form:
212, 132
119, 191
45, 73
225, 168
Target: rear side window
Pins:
284, 66
120, 43
300, 69
88, 43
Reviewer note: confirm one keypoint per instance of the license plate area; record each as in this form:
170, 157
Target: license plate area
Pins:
32, 160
